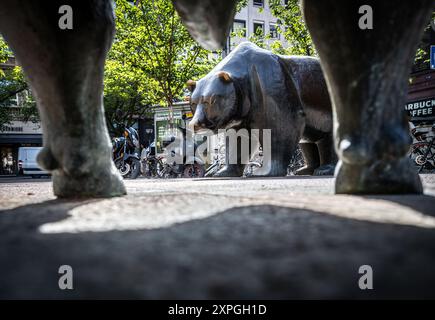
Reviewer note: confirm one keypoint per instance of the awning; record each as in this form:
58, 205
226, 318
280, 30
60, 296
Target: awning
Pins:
20, 138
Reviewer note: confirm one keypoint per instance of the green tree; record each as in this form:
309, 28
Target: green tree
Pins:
13, 83
292, 26
422, 56
4, 52
241, 4
151, 59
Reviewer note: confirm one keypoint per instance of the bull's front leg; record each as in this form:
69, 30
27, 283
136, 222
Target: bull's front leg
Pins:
367, 72
64, 67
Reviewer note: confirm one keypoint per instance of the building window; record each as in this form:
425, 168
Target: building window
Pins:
273, 31
239, 27
258, 28
259, 3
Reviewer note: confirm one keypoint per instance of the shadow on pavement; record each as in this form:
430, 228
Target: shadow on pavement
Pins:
23, 179
424, 204
259, 252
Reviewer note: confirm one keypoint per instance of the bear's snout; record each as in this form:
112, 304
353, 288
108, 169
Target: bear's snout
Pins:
199, 120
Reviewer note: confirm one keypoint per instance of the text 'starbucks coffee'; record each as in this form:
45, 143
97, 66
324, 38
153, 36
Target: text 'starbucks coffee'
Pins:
421, 108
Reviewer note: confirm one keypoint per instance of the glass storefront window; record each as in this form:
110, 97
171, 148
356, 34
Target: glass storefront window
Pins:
164, 129
8, 162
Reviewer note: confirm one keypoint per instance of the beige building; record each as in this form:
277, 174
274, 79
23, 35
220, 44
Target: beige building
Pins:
255, 17
16, 134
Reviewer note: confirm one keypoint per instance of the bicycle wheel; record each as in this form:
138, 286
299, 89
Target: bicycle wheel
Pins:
193, 171
419, 155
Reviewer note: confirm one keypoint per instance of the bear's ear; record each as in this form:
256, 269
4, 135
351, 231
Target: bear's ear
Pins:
224, 76
191, 85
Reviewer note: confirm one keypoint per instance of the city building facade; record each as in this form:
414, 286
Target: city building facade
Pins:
17, 133
255, 18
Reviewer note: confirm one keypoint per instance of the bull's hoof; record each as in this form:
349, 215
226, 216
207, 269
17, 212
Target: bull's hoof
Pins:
380, 177
102, 183
325, 170
304, 171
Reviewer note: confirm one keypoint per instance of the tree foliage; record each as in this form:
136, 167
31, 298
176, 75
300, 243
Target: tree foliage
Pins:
13, 83
422, 56
4, 51
292, 26
151, 59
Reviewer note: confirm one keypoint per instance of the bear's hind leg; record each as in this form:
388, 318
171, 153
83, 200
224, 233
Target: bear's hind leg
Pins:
311, 158
327, 156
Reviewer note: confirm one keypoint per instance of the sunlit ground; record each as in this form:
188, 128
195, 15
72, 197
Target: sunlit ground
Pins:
217, 238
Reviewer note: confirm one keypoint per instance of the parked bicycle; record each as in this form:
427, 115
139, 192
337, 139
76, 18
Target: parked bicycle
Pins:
151, 164
160, 166
218, 162
422, 151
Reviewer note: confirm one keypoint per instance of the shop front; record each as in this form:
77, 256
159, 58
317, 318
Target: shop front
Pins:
421, 96
421, 111
168, 124
9, 145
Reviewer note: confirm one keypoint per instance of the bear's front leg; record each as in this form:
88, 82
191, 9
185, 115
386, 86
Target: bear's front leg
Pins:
230, 170
235, 157
64, 66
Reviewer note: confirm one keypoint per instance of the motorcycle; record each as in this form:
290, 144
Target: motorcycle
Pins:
125, 154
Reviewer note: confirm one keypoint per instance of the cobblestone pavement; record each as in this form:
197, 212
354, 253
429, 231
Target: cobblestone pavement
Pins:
216, 238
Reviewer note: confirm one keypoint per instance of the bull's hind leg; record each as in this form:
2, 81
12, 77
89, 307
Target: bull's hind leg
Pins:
65, 72
367, 72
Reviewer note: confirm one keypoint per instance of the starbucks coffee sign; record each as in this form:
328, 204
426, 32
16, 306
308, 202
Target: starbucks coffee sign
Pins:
421, 108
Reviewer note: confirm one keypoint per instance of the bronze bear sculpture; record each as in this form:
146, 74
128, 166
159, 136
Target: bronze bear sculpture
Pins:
366, 70
253, 88
366, 73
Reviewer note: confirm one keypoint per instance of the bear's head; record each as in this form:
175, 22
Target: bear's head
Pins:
214, 102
